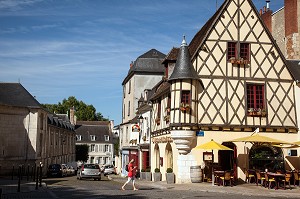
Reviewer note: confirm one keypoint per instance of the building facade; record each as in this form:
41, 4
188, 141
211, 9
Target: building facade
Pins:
230, 80
144, 73
29, 134
100, 139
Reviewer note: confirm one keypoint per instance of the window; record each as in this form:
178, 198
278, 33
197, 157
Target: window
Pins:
106, 137
255, 99
159, 109
93, 138
129, 87
231, 50
244, 51
128, 108
92, 148
185, 97
78, 137
106, 148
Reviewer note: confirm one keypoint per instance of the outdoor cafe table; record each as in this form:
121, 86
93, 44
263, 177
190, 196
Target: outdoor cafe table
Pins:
217, 175
277, 177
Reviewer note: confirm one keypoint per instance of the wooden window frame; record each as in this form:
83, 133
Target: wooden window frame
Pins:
231, 50
245, 51
185, 97
256, 103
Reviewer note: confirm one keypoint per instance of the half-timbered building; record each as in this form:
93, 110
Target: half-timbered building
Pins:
230, 80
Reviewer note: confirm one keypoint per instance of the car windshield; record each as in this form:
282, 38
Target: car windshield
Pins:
54, 166
91, 166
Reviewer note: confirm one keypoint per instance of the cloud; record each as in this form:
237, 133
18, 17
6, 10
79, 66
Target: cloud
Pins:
15, 5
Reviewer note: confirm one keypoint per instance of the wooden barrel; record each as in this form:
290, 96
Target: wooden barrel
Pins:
196, 174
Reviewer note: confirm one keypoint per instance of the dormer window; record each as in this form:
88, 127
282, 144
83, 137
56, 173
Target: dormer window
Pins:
78, 137
106, 137
93, 138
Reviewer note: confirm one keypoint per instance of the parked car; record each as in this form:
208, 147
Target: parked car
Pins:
57, 170
89, 171
109, 169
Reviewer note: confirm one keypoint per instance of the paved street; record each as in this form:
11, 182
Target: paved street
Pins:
70, 187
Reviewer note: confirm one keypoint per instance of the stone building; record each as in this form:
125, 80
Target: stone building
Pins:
144, 73
29, 134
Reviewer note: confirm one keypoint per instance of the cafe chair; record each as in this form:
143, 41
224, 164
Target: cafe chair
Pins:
260, 178
227, 178
269, 181
287, 179
296, 178
249, 176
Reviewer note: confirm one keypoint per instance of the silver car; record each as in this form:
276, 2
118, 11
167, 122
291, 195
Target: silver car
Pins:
89, 171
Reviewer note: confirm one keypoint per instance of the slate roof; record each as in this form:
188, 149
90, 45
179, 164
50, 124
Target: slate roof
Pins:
98, 130
294, 66
184, 68
60, 122
172, 56
149, 62
14, 94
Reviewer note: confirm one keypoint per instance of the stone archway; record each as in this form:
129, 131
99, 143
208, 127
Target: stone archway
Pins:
169, 156
156, 156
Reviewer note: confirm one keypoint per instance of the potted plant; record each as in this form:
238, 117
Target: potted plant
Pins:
148, 174
157, 120
263, 112
156, 175
232, 60
143, 174
170, 176
184, 107
168, 109
167, 118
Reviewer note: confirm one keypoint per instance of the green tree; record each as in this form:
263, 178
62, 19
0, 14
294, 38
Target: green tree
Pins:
83, 111
82, 152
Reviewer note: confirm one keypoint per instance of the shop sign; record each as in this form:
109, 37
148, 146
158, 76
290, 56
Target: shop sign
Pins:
200, 133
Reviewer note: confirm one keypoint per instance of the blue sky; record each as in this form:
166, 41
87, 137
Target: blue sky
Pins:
83, 48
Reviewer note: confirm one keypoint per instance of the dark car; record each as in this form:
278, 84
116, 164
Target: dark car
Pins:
56, 170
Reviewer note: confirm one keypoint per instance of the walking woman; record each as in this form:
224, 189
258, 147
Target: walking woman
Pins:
131, 175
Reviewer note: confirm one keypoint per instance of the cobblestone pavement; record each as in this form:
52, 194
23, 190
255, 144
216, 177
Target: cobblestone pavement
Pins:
28, 189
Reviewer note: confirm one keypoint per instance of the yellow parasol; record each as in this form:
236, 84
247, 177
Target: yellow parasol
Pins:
259, 138
212, 145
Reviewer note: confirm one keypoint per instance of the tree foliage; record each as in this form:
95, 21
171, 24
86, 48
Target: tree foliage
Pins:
83, 111
82, 152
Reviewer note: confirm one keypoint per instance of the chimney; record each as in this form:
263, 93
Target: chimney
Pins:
131, 64
72, 115
266, 15
291, 17
268, 4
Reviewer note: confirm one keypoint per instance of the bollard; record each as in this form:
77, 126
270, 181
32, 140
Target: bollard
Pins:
34, 172
31, 177
37, 179
41, 165
12, 173
28, 172
19, 180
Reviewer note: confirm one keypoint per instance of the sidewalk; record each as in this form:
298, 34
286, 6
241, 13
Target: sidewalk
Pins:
27, 189
241, 189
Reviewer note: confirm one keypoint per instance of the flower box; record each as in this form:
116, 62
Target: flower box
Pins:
184, 107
